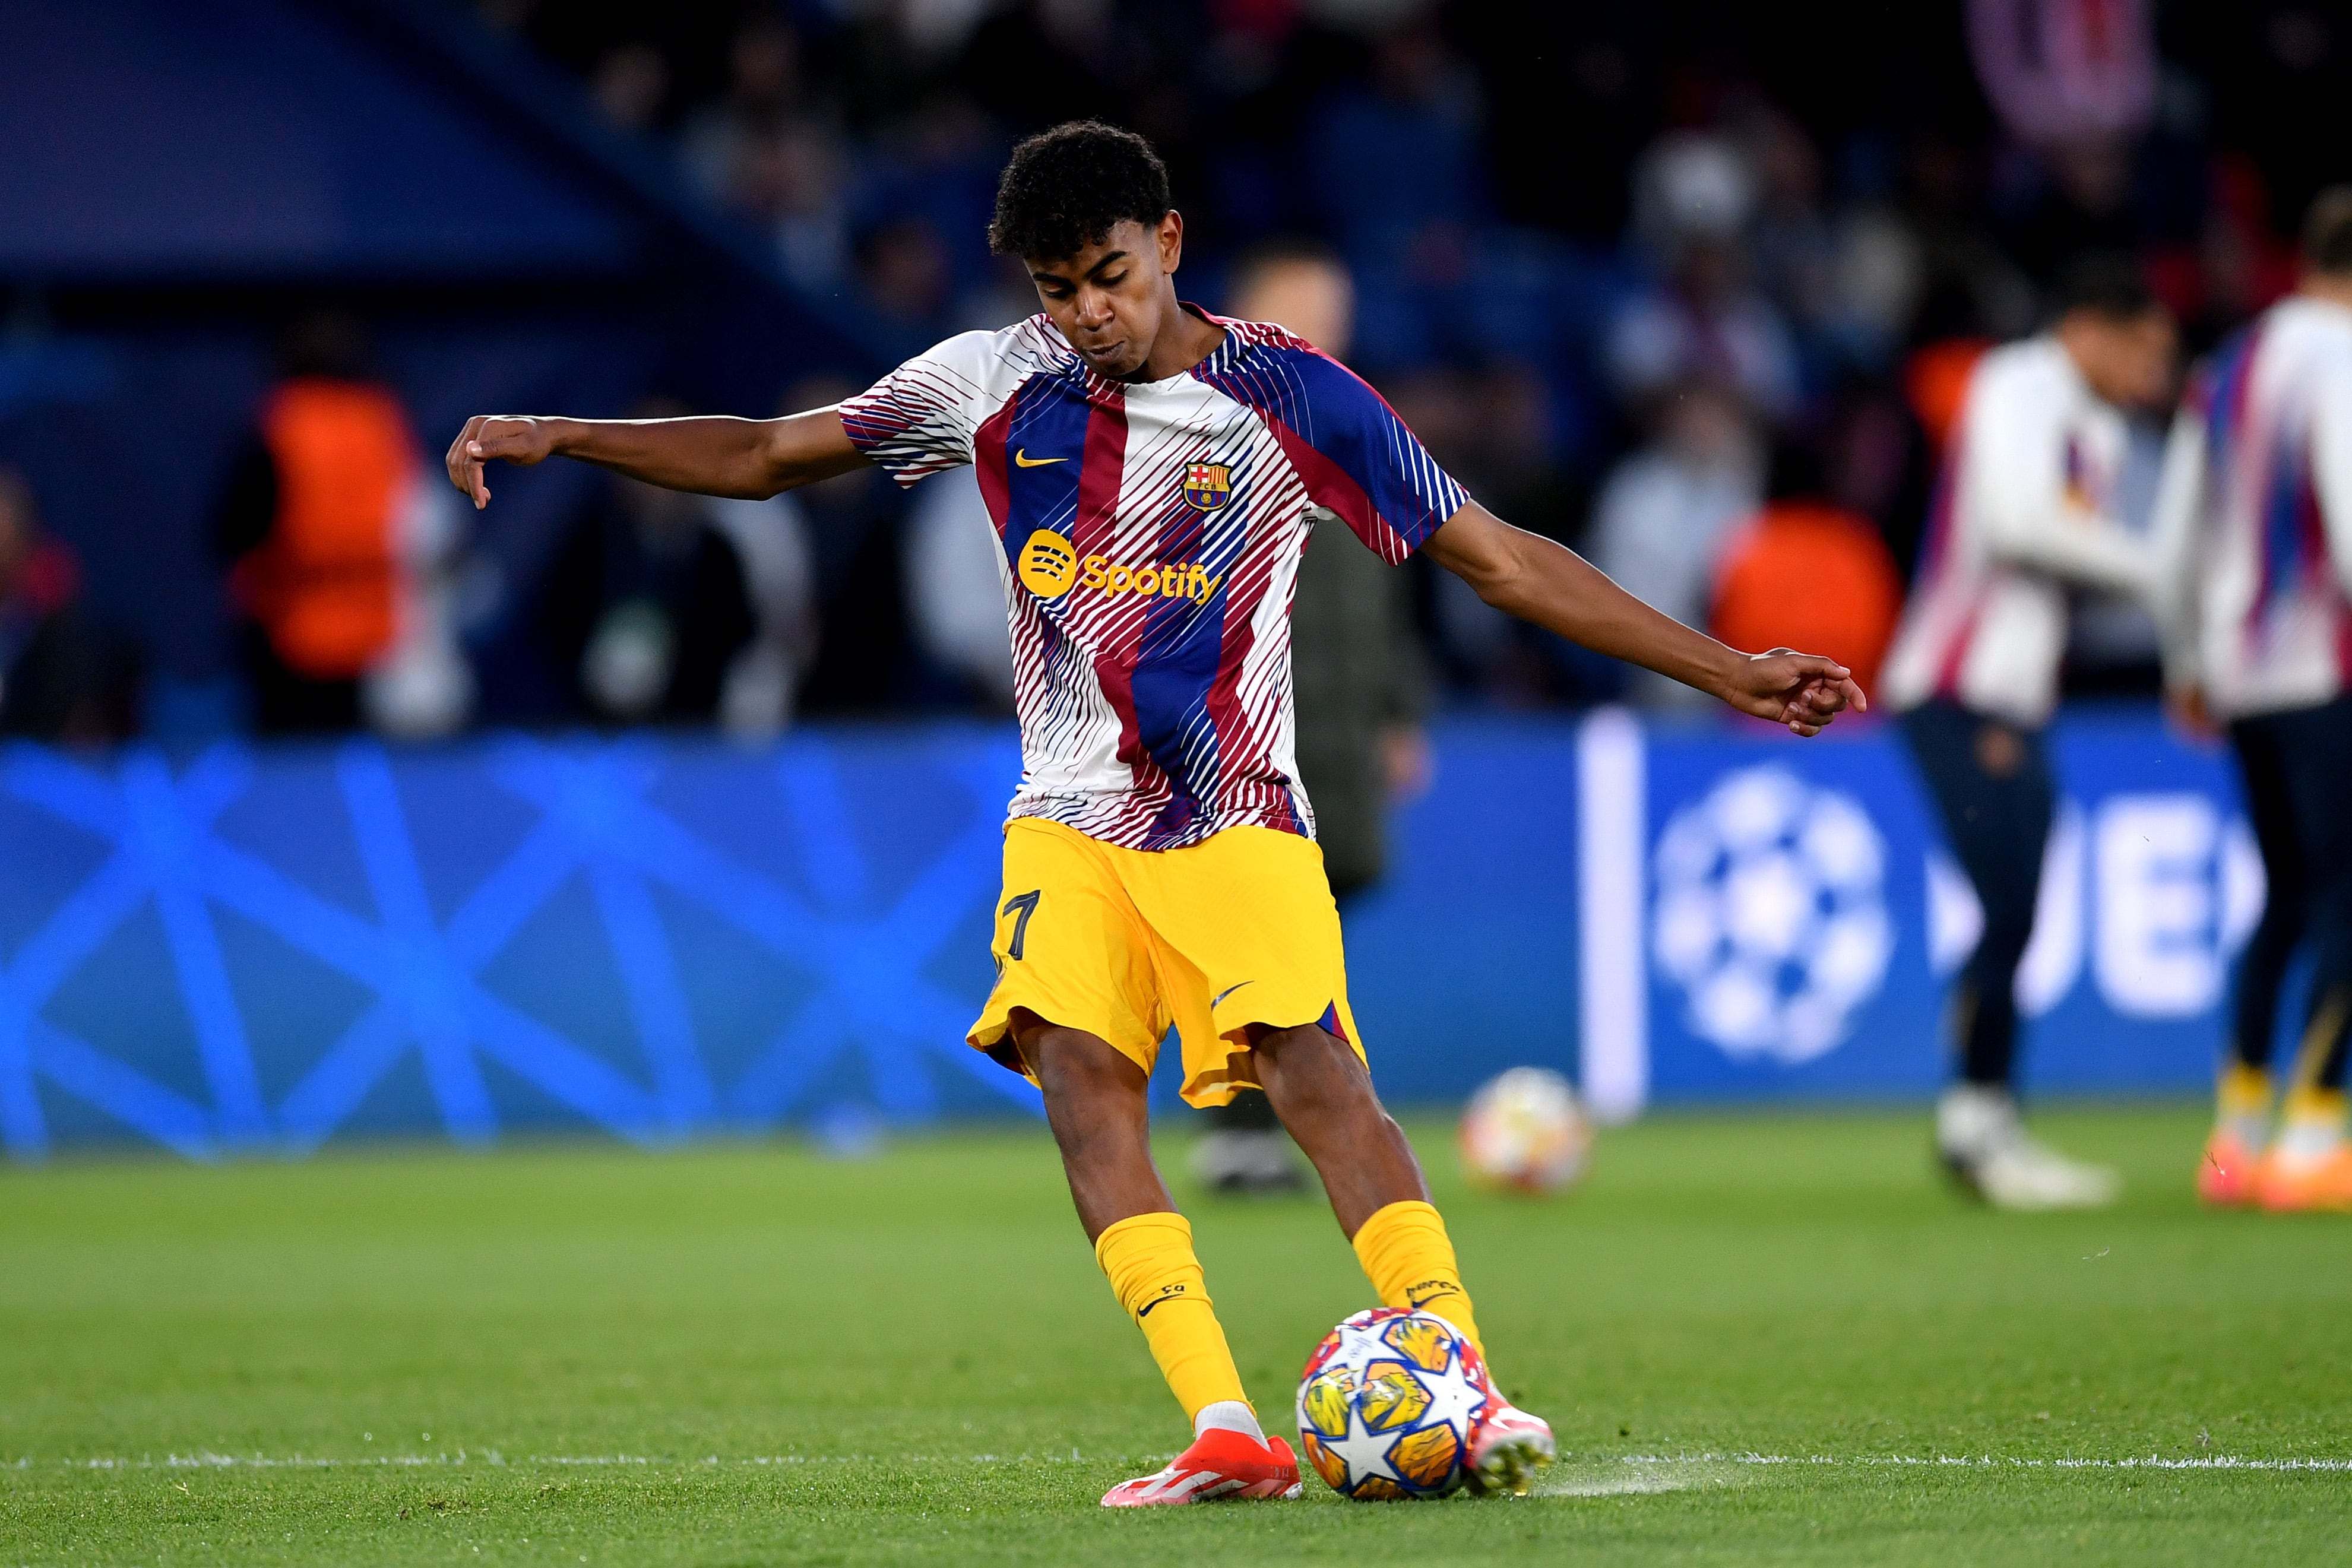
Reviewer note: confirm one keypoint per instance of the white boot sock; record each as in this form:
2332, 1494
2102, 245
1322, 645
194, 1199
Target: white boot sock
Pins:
1228, 1416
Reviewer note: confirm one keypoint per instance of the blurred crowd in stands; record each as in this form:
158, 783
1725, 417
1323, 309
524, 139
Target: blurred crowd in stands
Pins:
1693, 287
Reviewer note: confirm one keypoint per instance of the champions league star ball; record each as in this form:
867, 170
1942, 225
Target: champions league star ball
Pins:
1388, 1404
1526, 1132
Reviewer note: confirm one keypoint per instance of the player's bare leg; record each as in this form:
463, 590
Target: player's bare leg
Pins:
1097, 1105
1324, 1096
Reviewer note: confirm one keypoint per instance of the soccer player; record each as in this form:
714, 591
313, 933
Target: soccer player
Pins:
2254, 522
1154, 473
2025, 513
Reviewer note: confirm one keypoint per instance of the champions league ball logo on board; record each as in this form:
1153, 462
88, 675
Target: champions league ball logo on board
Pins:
1771, 914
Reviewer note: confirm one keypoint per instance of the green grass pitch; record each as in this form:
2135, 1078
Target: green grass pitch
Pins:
1746, 1329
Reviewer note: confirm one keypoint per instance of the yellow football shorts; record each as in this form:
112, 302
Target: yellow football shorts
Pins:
1210, 939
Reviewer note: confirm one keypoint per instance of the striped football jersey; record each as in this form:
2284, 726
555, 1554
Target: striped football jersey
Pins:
1151, 535
2254, 516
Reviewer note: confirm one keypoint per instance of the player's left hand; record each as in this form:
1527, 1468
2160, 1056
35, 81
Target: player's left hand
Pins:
520, 439
1803, 691
2192, 715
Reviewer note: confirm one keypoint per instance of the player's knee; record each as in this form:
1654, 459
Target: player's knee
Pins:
1080, 1070
1308, 1070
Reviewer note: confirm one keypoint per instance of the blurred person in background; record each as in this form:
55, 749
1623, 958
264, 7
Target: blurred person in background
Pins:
1491, 424
1695, 201
1807, 572
937, 165
1476, 644
858, 527
791, 179
1968, 293
630, 86
1356, 682
1393, 163
1791, 242
63, 678
2026, 512
648, 606
905, 286
1878, 462
765, 95
2075, 84
1664, 513
2255, 527
762, 691
339, 554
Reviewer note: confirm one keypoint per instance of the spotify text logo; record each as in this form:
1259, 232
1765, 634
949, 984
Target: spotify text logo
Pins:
1050, 566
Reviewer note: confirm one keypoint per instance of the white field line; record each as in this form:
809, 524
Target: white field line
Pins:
1996, 1461
204, 1460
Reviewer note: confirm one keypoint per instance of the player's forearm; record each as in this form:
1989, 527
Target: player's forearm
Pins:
1556, 589
2095, 554
748, 458
2026, 520
712, 456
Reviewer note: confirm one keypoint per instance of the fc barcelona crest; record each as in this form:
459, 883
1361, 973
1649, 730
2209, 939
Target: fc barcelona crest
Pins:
1206, 485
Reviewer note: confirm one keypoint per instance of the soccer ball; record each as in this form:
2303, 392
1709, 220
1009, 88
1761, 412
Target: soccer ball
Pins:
1526, 1132
1388, 1404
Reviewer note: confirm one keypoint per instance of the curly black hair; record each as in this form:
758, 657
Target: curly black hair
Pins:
1064, 188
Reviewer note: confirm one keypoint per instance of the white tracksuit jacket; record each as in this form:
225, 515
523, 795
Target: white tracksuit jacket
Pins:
2024, 511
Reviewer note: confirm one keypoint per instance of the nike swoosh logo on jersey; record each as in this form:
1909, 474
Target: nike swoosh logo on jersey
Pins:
1020, 456
1228, 991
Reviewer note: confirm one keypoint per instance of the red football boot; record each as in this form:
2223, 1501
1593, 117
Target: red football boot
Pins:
1218, 1467
2228, 1177
1508, 1447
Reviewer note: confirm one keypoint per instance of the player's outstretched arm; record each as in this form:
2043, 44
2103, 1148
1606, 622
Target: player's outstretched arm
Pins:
1534, 579
749, 458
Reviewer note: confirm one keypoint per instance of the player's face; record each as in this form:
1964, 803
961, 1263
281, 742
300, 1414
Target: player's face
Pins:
2128, 361
1110, 299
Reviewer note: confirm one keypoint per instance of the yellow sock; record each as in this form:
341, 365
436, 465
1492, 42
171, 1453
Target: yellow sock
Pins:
1410, 1260
2244, 1092
1150, 1260
2309, 1107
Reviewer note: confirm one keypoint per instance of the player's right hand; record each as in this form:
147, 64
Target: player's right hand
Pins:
516, 438
1803, 691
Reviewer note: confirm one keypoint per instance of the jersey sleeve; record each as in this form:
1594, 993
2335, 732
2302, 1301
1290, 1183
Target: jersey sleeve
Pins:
920, 419
2015, 465
1356, 457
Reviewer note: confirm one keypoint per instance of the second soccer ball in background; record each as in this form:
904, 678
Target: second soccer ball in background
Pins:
1526, 1132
